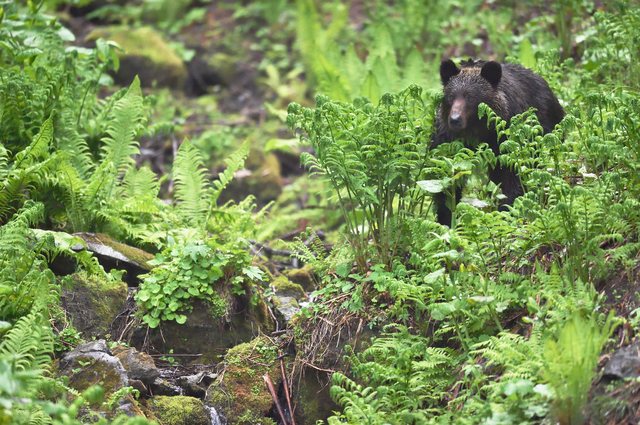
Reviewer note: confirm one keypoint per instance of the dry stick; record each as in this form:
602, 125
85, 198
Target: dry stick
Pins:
286, 390
272, 390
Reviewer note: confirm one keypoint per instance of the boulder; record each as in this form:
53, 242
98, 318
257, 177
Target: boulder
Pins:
138, 365
164, 387
93, 364
204, 336
146, 54
180, 410
302, 277
92, 303
116, 255
240, 393
261, 178
286, 308
196, 385
286, 288
624, 363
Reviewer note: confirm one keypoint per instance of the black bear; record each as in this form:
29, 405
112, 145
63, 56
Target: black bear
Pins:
509, 90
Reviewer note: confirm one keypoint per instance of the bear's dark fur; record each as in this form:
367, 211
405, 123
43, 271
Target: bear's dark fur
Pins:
509, 90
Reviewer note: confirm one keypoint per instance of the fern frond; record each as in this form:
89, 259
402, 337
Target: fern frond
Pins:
192, 189
140, 183
29, 343
125, 120
234, 163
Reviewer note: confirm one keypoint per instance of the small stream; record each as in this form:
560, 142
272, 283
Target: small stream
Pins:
215, 418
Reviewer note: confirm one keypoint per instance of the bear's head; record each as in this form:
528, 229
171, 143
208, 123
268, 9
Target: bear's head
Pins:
465, 87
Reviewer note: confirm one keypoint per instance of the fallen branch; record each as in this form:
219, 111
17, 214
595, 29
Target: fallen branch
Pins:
267, 381
286, 390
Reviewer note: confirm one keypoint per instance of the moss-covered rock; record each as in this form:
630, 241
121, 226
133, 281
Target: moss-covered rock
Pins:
240, 394
285, 288
93, 364
302, 277
116, 255
180, 410
146, 54
262, 179
93, 303
205, 335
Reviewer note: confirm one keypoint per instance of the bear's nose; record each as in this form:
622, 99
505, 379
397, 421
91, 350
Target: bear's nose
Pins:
455, 120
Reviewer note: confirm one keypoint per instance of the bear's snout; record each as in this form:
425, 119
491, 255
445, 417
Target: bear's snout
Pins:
456, 116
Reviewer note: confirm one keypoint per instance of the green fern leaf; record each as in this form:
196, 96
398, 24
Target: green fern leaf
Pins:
125, 120
234, 163
192, 187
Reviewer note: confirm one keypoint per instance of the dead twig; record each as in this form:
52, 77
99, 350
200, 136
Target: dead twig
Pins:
267, 381
286, 390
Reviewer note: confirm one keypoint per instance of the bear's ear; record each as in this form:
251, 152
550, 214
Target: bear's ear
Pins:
448, 69
492, 72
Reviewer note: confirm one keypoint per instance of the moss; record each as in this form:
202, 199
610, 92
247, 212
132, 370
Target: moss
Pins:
280, 302
286, 288
93, 302
180, 410
148, 51
302, 277
136, 255
88, 372
225, 66
242, 395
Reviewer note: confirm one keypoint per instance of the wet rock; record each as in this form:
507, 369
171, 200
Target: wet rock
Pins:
195, 385
285, 288
146, 54
286, 308
624, 363
180, 410
302, 277
163, 387
242, 396
204, 336
138, 365
139, 385
92, 303
116, 255
93, 364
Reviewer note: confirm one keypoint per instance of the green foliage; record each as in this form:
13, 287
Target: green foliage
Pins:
197, 198
191, 271
344, 76
118, 395
25, 279
373, 157
575, 226
570, 363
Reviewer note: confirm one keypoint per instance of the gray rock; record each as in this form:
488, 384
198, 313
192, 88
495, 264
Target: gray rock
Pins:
285, 307
624, 363
91, 364
116, 255
196, 385
138, 365
162, 387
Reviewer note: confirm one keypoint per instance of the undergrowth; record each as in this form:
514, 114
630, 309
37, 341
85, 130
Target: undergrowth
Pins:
511, 295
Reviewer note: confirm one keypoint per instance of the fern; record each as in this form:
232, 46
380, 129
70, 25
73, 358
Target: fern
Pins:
28, 166
125, 121
234, 163
192, 189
